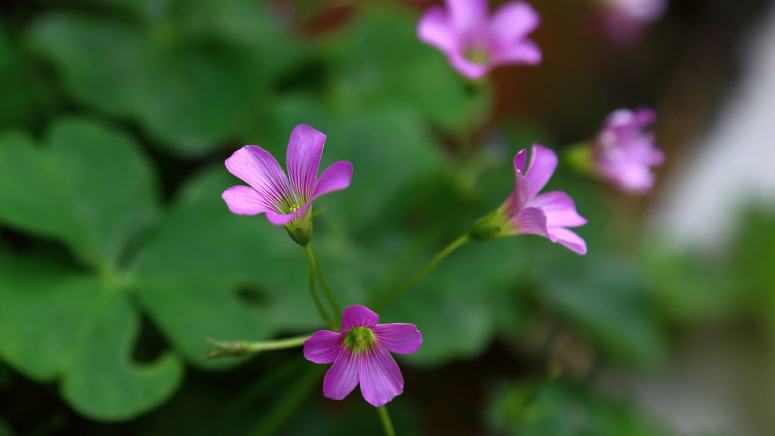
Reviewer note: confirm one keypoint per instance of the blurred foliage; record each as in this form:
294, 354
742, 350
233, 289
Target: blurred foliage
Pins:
554, 408
119, 259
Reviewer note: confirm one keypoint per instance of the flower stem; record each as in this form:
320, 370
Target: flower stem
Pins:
419, 275
387, 424
315, 267
241, 348
319, 304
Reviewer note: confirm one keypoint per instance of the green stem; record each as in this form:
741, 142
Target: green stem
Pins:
241, 348
319, 304
315, 267
419, 275
387, 424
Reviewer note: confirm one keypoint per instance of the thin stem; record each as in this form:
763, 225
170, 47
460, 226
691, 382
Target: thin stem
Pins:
387, 424
419, 275
315, 266
241, 348
319, 304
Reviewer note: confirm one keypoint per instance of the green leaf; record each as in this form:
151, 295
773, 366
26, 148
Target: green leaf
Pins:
88, 187
190, 94
555, 408
455, 306
379, 59
605, 297
59, 324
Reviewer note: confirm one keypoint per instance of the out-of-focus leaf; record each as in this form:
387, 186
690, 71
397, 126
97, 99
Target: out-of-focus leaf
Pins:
58, 324
689, 287
553, 408
190, 93
753, 263
88, 187
605, 297
379, 59
454, 306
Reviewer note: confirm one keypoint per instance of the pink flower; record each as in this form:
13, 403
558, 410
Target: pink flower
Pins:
475, 42
360, 354
624, 153
624, 20
527, 212
286, 200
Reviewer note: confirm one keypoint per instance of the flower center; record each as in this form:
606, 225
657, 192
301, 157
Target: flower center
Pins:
477, 54
359, 339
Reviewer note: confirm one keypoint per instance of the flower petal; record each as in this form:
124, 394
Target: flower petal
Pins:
543, 162
520, 159
530, 221
279, 219
243, 200
468, 17
358, 316
259, 169
399, 338
303, 158
323, 346
380, 377
435, 29
342, 377
467, 68
523, 53
512, 22
559, 208
568, 239
334, 178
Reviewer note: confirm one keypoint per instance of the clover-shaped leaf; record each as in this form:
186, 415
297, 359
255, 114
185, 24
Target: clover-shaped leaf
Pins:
89, 188
190, 93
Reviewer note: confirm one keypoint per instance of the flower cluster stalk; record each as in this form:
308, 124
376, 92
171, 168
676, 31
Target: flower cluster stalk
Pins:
419, 275
316, 272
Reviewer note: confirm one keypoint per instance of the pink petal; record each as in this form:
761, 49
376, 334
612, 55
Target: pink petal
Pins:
303, 158
323, 346
380, 377
568, 239
469, 17
644, 116
559, 208
522, 53
334, 178
342, 377
259, 169
543, 162
279, 219
512, 22
435, 29
358, 316
531, 221
399, 338
467, 68
520, 159
243, 200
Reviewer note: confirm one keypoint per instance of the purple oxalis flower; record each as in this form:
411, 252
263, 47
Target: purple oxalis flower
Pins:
527, 212
624, 153
624, 20
360, 353
474, 42
286, 200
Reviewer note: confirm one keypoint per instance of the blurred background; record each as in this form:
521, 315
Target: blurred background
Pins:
118, 258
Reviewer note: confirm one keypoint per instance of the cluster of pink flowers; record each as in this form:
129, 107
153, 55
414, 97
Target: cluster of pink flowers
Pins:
474, 42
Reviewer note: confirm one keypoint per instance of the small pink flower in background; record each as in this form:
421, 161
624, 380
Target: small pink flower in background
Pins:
360, 354
624, 153
286, 200
624, 20
475, 42
526, 212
